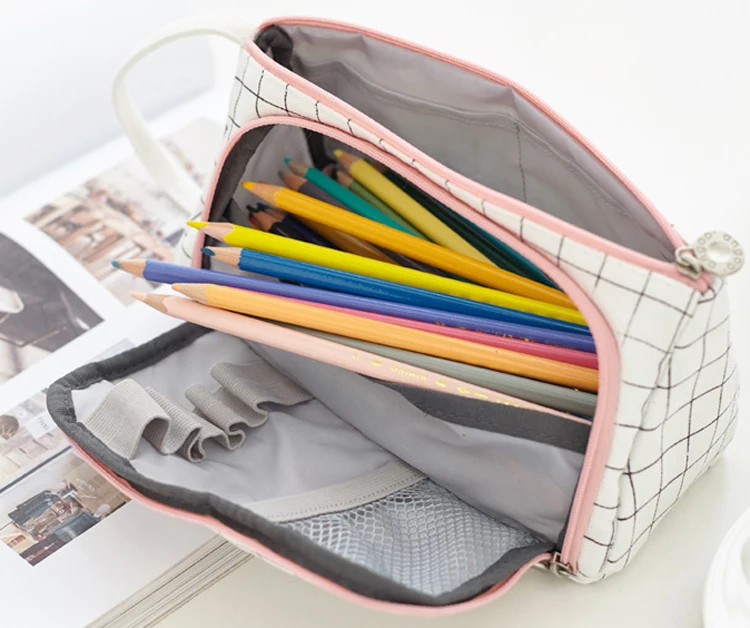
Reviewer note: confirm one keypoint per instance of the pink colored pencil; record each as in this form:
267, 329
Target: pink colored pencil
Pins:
560, 354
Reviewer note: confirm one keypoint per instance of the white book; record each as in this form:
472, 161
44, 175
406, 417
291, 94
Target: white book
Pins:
74, 551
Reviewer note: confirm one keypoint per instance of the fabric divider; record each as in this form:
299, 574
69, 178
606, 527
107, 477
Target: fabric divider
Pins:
522, 482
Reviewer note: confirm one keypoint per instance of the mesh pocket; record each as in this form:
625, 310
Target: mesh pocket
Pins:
422, 537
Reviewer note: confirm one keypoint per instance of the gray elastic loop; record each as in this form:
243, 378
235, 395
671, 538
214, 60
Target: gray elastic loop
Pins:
212, 407
123, 416
184, 433
257, 383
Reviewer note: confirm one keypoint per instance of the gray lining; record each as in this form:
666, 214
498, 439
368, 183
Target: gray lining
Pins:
478, 128
533, 426
285, 542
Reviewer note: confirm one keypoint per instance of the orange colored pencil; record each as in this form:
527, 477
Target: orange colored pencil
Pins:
411, 246
312, 317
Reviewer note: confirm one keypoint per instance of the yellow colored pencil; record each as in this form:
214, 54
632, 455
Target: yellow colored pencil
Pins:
406, 206
321, 256
394, 240
467, 352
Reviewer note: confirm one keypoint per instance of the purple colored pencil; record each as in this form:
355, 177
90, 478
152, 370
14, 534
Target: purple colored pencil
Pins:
163, 272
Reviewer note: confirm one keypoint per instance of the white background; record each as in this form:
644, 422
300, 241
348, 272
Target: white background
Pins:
660, 87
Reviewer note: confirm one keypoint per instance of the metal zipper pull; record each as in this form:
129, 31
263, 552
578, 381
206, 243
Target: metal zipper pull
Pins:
715, 252
557, 567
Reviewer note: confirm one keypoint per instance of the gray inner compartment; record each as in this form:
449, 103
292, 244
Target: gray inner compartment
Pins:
353, 478
352, 427
477, 127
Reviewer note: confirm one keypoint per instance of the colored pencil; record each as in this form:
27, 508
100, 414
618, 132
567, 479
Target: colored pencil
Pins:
345, 179
342, 281
421, 250
406, 206
341, 240
319, 256
274, 226
164, 272
340, 193
302, 185
559, 354
294, 224
312, 317
499, 252
531, 390
286, 339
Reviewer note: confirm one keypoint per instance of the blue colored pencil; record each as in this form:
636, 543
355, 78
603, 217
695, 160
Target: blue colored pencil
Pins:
360, 285
163, 272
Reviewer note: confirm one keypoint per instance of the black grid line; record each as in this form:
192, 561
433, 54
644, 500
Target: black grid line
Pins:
718, 411
286, 98
675, 444
598, 274
672, 481
692, 402
718, 436
257, 96
559, 249
599, 277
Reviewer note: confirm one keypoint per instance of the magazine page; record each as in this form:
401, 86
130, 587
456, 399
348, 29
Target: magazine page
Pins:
66, 533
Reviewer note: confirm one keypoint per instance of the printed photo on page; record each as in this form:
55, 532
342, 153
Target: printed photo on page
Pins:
29, 437
54, 506
124, 214
39, 313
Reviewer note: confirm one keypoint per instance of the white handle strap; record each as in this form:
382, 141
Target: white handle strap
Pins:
164, 167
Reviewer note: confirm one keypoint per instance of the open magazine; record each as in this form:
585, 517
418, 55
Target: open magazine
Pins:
73, 550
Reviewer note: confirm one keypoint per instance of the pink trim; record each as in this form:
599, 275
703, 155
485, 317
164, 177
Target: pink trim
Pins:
501, 200
256, 548
609, 371
550, 352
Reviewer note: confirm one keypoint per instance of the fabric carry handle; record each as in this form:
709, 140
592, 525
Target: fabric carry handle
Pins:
162, 165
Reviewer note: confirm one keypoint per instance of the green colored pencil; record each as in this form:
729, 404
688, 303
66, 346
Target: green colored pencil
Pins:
345, 179
500, 253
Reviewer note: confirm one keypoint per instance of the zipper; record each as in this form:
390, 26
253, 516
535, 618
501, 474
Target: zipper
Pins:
556, 566
715, 252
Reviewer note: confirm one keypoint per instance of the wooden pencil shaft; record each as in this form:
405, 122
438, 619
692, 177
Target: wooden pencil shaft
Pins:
279, 309
427, 252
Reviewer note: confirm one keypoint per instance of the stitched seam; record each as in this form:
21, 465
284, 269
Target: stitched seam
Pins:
579, 174
520, 163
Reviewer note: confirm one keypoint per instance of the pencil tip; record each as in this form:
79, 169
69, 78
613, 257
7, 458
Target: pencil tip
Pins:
116, 264
338, 152
207, 251
287, 160
196, 224
141, 296
248, 185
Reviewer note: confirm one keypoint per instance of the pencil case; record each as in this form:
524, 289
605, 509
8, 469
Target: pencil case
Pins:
391, 485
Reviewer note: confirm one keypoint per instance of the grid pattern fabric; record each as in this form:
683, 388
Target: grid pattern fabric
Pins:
422, 537
668, 335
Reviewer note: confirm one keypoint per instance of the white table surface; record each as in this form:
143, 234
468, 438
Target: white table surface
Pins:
661, 88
